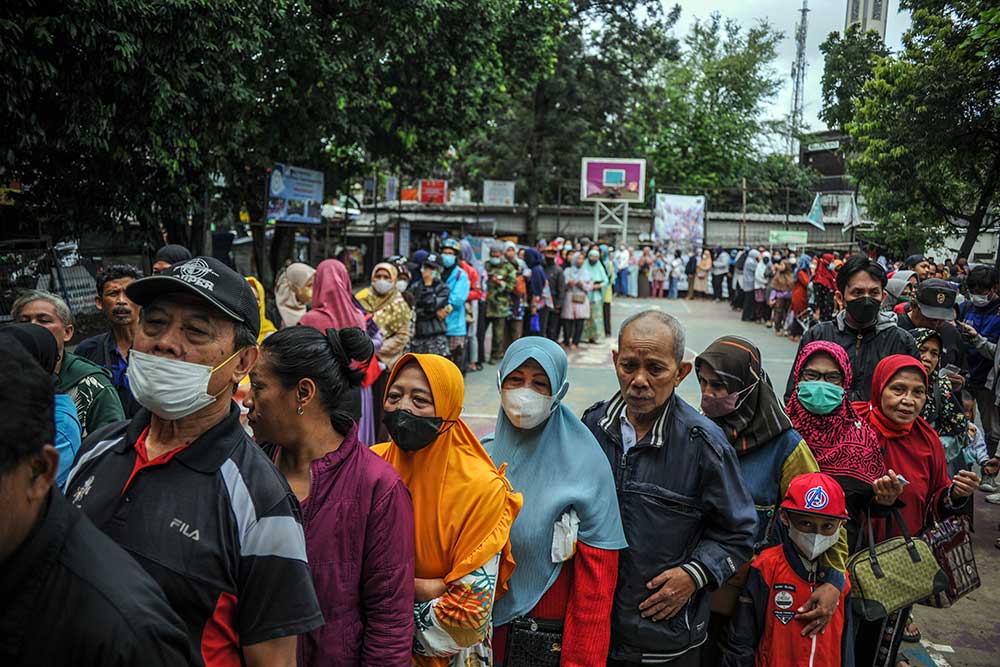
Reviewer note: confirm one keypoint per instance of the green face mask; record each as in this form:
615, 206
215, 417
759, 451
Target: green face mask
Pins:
820, 398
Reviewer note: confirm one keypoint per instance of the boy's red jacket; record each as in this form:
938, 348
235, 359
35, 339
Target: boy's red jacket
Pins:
765, 632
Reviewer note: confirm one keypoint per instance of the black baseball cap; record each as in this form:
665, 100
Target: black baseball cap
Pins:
207, 278
433, 260
937, 299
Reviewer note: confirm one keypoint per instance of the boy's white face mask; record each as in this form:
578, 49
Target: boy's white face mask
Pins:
812, 545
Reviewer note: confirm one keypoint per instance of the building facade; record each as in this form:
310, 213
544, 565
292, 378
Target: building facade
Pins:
869, 14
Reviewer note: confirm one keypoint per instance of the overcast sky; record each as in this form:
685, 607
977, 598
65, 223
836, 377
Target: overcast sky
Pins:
825, 16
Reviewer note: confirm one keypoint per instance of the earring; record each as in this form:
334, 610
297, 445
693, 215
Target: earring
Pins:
299, 410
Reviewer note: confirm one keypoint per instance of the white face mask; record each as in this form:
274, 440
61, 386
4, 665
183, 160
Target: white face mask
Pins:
382, 287
980, 300
170, 388
812, 545
401, 285
525, 408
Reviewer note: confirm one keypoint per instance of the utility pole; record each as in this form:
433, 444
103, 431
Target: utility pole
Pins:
743, 212
798, 80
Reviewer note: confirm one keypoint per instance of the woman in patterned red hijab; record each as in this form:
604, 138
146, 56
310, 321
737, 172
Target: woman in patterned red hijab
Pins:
846, 447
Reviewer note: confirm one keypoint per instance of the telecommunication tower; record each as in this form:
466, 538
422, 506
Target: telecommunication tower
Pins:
798, 80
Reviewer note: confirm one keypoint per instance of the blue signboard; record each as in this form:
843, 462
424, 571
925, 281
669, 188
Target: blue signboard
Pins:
294, 194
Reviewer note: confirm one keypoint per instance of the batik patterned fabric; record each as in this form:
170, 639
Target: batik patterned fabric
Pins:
462, 617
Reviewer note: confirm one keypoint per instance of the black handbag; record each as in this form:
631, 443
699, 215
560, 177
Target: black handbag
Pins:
533, 642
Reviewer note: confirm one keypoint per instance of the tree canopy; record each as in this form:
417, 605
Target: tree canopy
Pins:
138, 112
924, 122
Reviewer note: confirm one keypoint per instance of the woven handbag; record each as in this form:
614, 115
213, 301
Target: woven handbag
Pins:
533, 642
951, 543
894, 574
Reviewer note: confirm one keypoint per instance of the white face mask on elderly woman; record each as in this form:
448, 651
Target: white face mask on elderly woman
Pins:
170, 388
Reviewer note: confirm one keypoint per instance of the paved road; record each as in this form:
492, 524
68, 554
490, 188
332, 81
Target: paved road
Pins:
967, 635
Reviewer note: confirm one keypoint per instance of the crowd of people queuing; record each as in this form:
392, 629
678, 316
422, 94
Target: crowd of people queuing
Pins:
214, 481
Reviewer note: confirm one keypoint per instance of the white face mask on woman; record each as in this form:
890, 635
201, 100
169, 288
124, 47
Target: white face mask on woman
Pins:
170, 388
525, 408
382, 287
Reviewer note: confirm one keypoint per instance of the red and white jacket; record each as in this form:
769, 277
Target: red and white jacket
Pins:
765, 630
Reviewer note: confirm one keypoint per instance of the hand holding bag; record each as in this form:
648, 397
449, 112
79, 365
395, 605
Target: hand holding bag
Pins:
894, 574
951, 543
533, 642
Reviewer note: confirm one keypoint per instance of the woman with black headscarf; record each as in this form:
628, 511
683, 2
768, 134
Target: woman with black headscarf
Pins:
737, 396
41, 345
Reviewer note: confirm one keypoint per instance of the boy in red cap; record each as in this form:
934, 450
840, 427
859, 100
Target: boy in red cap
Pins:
764, 631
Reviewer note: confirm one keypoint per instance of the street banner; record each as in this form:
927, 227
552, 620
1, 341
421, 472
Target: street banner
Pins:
605, 179
433, 191
498, 193
785, 237
854, 218
294, 194
391, 188
409, 194
815, 215
388, 244
404, 238
679, 220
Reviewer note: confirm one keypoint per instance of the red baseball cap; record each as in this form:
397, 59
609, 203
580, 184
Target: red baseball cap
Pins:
816, 493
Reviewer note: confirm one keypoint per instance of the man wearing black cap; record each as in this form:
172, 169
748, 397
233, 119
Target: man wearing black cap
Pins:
919, 265
431, 309
934, 308
185, 491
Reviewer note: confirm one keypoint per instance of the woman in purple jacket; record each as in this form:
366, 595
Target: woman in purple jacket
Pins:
356, 512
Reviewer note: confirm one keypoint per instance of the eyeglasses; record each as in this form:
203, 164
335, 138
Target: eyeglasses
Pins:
833, 377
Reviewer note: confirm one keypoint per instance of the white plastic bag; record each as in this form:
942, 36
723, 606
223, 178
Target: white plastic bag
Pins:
564, 535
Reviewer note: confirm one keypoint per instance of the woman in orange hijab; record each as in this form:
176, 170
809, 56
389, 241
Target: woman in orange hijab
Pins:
463, 511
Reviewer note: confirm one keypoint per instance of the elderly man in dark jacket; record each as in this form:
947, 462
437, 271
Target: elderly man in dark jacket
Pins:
688, 518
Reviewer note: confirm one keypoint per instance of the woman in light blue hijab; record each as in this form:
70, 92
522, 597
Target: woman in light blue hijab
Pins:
567, 536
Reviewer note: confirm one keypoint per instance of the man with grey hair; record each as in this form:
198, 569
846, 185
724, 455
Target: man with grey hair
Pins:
89, 385
185, 490
689, 519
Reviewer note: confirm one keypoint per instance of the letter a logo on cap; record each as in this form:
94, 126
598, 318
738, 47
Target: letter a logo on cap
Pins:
817, 498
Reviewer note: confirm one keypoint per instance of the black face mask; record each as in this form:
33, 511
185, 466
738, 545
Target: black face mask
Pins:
864, 311
410, 432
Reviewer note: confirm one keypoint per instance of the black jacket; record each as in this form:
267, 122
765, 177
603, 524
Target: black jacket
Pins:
683, 504
71, 596
864, 348
557, 283
427, 302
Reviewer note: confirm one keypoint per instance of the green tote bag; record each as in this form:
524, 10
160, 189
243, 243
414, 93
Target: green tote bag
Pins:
894, 574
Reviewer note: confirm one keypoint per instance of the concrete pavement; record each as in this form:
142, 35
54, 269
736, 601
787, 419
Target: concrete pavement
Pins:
967, 635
